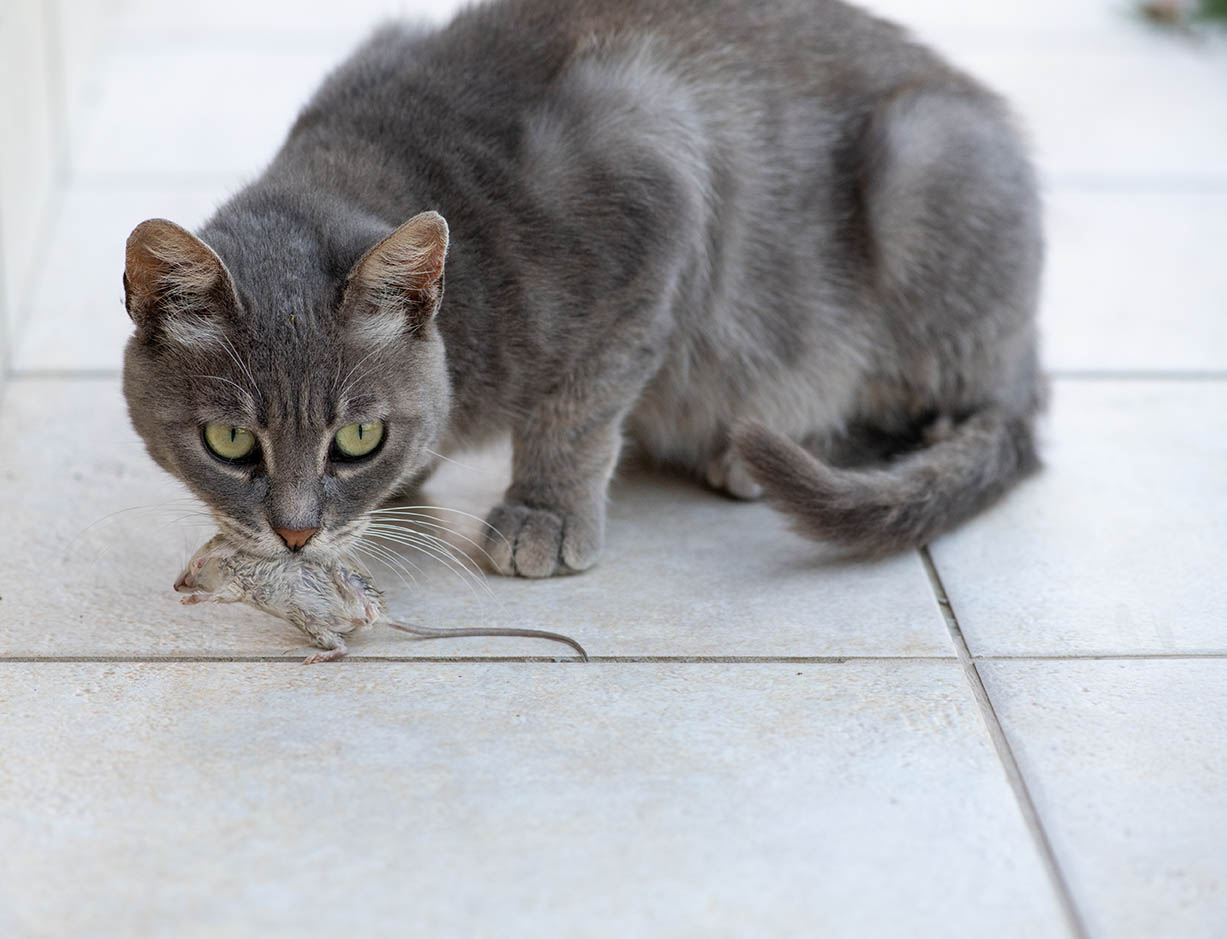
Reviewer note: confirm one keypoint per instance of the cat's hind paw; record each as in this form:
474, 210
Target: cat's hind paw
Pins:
727, 473
531, 542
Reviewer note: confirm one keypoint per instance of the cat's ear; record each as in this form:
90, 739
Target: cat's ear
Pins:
398, 284
173, 281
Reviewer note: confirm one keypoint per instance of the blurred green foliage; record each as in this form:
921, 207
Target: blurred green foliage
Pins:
1183, 12
1213, 9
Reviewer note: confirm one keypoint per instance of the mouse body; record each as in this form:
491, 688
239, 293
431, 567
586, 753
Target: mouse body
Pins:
326, 600
323, 600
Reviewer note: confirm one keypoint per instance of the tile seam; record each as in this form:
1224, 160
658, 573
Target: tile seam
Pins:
1005, 753
633, 659
561, 659
1097, 656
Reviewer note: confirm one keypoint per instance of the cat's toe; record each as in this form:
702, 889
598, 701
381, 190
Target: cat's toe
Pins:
502, 526
538, 544
534, 542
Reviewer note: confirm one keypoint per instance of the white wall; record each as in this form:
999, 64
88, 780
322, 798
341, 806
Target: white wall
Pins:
30, 120
48, 50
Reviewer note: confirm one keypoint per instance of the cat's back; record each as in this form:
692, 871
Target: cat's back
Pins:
503, 55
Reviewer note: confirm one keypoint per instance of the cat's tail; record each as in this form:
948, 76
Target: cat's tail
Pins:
897, 505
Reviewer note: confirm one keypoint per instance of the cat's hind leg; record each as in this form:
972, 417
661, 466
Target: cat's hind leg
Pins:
726, 472
955, 248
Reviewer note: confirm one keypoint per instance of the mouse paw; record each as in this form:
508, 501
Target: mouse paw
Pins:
326, 655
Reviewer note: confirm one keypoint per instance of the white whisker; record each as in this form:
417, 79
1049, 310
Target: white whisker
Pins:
441, 547
448, 459
425, 548
389, 560
243, 391
345, 383
234, 354
422, 520
409, 510
173, 505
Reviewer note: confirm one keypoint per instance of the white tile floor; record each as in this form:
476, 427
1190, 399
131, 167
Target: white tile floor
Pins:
766, 743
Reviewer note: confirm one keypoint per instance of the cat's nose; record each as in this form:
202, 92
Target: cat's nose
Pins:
295, 538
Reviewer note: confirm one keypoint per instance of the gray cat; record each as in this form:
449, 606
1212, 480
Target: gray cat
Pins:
775, 244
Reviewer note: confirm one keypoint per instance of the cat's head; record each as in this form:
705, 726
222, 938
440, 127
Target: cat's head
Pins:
290, 394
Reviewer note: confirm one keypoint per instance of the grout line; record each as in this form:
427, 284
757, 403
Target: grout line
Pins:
1096, 656
1004, 752
632, 659
646, 659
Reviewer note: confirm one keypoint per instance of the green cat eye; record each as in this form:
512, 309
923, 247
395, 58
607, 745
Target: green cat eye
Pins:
357, 440
229, 442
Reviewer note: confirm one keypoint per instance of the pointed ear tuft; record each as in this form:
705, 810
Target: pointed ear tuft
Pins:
398, 284
171, 277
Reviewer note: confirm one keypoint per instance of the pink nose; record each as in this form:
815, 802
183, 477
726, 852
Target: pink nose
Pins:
295, 538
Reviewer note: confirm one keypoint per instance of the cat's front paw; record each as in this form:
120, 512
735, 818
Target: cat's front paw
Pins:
532, 542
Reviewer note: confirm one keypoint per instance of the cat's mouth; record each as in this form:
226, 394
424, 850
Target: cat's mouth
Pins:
323, 544
316, 544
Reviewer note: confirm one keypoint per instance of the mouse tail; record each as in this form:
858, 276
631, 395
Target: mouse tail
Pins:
426, 632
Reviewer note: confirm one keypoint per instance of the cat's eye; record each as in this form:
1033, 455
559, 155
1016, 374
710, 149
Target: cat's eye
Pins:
359, 440
229, 442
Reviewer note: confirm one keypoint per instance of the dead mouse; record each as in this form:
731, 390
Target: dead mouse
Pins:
324, 600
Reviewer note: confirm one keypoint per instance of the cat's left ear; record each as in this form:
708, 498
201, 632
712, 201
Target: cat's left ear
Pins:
397, 286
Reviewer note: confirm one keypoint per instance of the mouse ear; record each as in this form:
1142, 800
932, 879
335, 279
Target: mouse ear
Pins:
174, 283
397, 286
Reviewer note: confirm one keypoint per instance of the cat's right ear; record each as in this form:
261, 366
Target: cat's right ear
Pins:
174, 282
397, 286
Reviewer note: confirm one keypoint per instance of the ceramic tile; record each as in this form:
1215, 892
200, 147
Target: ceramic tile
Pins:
517, 799
1119, 545
686, 572
1125, 764
1135, 280
75, 317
